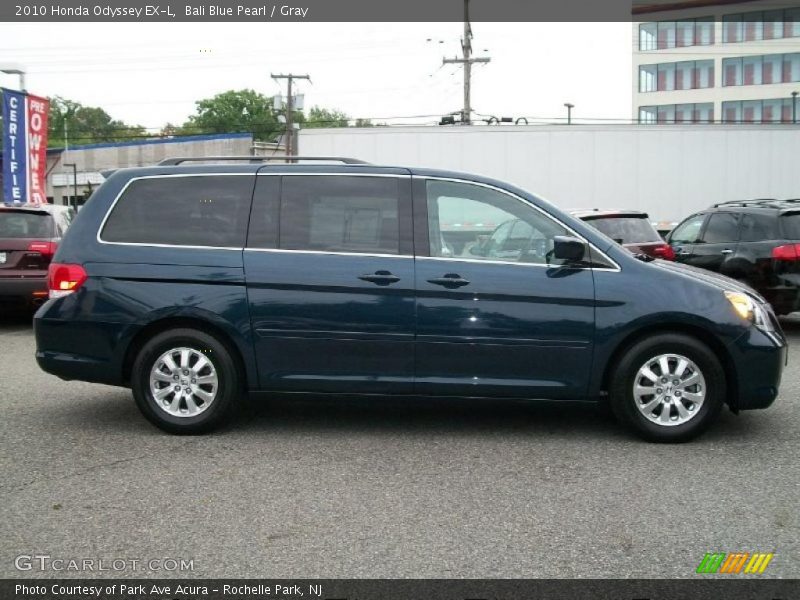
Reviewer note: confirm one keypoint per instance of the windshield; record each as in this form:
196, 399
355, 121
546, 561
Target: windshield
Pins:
627, 230
791, 226
25, 224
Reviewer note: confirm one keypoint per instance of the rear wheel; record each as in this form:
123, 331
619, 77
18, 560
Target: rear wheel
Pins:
185, 381
668, 388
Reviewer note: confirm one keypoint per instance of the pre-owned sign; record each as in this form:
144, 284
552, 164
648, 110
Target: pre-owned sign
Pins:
24, 147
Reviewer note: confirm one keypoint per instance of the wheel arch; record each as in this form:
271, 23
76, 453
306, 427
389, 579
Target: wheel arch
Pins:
182, 322
699, 333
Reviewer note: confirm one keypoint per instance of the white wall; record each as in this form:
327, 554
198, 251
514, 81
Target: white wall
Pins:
666, 170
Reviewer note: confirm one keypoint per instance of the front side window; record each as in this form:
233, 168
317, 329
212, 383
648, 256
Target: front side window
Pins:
333, 213
688, 231
722, 228
477, 223
182, 211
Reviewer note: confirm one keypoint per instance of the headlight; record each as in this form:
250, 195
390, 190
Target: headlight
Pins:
750, 310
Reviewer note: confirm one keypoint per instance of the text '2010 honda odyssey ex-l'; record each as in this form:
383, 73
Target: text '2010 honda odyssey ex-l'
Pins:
196, 283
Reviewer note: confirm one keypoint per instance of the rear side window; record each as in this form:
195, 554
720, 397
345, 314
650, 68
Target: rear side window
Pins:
722, 227
630, 230
756, 227
790, 223
183, 211
26, 224
340, 214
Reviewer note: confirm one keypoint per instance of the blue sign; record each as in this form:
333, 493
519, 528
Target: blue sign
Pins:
15, 152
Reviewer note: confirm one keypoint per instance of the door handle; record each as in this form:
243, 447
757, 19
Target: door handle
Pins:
380, 278
451, 280
727, 251
682, 252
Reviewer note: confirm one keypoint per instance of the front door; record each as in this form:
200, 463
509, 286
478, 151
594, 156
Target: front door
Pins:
684, 236
330, 282
717, 243
497, 314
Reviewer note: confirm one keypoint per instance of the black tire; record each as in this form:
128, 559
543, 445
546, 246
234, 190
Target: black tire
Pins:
636, 356
228, 388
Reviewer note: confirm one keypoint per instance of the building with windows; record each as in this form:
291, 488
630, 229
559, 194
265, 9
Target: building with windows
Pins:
718, 61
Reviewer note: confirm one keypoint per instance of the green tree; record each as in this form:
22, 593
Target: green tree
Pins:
324, 117
234, 111
86, 125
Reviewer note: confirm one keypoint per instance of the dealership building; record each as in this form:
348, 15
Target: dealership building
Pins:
64, 183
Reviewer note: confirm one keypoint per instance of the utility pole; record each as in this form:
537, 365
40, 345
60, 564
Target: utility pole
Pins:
290, 151
466, 61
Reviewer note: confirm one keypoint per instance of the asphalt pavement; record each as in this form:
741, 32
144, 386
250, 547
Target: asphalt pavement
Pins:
383, 488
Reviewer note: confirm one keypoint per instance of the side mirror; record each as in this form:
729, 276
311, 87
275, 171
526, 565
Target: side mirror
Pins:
569, 249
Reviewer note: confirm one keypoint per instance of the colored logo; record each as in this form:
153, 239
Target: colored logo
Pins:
735, 562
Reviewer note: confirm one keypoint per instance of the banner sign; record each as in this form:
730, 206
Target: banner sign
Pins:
24, 147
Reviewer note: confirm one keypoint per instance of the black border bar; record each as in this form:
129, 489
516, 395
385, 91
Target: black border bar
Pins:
700, 588
367, 10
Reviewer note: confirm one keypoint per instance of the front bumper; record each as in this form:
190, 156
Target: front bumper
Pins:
758, 362
22, 292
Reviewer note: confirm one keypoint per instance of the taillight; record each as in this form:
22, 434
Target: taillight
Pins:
787, 252
664, 251
63, 279
47, 249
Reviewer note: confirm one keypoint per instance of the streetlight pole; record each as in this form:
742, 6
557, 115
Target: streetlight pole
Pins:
15, 70
569, 112
74, 184
794, 106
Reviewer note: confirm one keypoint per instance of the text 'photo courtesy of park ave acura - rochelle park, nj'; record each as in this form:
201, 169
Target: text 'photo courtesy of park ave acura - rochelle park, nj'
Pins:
343, 299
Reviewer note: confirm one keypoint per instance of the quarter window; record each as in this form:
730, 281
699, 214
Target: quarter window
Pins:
182, 211
756, 228
340, 214
473, 222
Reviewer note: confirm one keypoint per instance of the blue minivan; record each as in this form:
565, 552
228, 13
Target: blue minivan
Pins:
194, 284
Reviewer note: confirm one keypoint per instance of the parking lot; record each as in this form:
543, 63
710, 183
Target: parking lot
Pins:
388, 487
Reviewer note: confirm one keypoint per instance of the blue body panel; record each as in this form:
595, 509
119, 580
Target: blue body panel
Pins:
306, 321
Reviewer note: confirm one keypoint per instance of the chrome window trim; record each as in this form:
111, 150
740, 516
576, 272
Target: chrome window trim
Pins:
615, 269
122, 191
327, 252
162, 176
226, 174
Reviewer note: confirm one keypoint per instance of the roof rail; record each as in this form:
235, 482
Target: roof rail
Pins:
256, 159
745, 202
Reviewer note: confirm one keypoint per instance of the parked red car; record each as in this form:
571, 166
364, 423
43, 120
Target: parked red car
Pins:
29, 236
631, 228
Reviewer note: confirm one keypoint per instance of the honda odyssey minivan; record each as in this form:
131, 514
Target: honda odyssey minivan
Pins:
194, 284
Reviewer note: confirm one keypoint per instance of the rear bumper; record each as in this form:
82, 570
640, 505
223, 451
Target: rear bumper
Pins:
23, 292
75, 349
758, 359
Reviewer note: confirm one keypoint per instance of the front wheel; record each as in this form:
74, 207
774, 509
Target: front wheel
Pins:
185, 381
668, 388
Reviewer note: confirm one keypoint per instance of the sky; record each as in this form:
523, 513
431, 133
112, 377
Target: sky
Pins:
150, 74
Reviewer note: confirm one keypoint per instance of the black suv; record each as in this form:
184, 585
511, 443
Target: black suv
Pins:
754, 241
